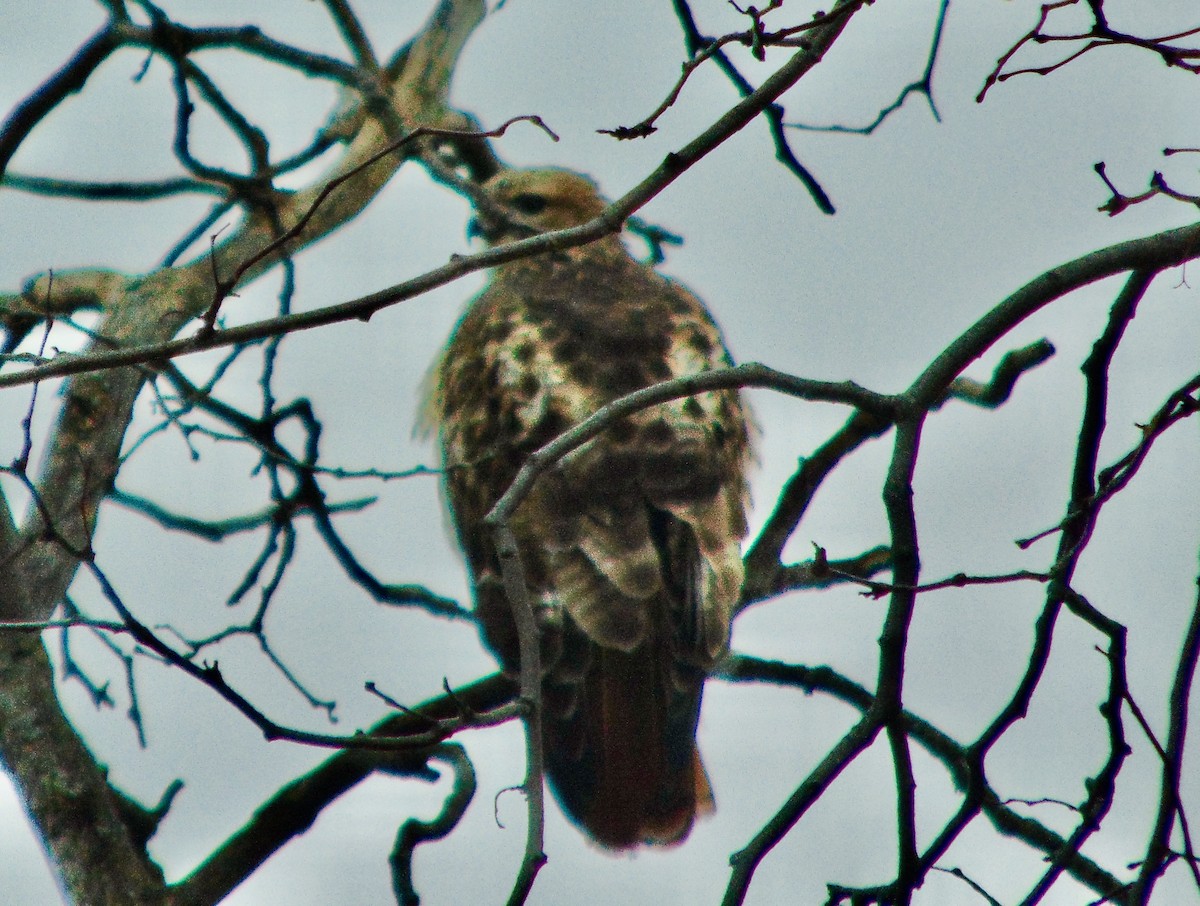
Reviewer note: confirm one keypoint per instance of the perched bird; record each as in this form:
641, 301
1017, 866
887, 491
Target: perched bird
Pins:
631, 547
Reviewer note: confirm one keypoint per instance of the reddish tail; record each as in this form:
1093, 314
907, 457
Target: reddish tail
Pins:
621, 746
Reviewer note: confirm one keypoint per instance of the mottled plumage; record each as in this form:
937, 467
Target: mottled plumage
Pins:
631, 548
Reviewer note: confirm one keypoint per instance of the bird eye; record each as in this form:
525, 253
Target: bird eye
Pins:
529, 204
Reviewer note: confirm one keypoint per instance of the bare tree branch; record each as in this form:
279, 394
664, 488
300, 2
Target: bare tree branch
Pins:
294, 808
922, 86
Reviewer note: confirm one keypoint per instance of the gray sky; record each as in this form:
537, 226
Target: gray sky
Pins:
936, 224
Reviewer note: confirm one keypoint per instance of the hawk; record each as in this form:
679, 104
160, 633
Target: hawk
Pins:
632, 546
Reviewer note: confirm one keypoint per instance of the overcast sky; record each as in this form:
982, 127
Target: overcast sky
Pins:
936, 224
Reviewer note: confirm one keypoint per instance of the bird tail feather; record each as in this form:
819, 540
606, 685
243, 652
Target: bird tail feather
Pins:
621, 752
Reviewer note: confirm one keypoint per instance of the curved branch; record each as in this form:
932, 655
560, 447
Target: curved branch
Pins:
292, 810
765, 575
749, 375
1155, 860
413, 832
1150, 254
56, 89
152, 190
432, 733
745, 861
172, 38
954, 757
922, 86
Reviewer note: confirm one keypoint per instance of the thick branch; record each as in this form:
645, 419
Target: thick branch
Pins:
292, 810
102, 861
83, 457
81, 821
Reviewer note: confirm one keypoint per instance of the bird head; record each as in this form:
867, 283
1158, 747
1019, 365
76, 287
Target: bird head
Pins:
536, 201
